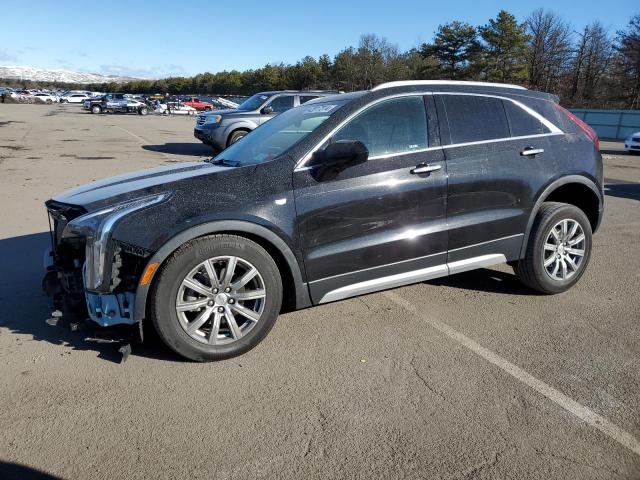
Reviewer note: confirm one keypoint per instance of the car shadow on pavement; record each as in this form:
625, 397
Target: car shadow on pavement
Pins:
623, 190
24, 307
192, 149
16, 471
485, 280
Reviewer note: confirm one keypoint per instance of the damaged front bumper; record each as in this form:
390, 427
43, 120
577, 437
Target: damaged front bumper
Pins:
89, 274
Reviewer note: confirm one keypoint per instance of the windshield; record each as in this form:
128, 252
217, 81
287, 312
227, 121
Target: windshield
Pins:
278, 135
254, 102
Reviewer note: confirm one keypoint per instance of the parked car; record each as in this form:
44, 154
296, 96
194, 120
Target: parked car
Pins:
176, 108
45, 97
224, 127
342, 196
116, 102
198, 104
74, 98
632, 143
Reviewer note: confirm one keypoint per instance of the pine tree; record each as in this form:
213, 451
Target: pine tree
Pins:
456, 46
505, 49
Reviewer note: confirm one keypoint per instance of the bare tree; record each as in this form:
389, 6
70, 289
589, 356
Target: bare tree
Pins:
593, 56
550, 48
628, 63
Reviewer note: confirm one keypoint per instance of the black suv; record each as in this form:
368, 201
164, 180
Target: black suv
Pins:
342, 196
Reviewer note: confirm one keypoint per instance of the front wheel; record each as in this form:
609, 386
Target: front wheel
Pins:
558, 249
235, 136
216, 297
96, 109
143, 111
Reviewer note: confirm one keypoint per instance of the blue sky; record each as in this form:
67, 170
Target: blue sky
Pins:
159, 38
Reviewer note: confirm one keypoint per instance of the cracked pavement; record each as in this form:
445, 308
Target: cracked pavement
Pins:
354, 389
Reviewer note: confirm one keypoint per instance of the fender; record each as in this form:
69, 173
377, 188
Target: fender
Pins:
302, 298
547, 191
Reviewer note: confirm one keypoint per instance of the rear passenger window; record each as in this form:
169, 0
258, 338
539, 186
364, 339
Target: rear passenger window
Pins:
473, 118
521, 122
282, 104
390, 127
305, 99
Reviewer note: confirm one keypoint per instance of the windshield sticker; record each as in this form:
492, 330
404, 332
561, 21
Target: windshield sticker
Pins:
263, 97
319, 108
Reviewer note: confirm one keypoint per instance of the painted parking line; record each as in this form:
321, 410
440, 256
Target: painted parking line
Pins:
583, 413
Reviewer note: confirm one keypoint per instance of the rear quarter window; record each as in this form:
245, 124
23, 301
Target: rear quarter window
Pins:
474, 118
522, 123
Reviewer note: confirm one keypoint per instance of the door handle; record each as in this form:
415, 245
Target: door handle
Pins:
530, 151
425, 168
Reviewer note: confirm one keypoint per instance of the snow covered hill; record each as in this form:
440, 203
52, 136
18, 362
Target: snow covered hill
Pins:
57, 75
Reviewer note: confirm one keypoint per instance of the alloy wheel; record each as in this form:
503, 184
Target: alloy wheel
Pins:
564, 250
221, 300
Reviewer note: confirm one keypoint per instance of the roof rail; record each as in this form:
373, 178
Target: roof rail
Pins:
407, 83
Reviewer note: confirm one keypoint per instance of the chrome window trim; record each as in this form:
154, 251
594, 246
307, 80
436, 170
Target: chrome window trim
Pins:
554, 130
307, 156
494, 140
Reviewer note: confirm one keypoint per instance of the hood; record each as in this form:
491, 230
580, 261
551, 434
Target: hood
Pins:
121, 188
226, 111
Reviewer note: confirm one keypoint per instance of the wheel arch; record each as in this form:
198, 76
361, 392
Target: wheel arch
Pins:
244, 128
575, 190
296, 292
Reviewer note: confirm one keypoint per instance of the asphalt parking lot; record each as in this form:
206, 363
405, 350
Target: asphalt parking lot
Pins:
470, 376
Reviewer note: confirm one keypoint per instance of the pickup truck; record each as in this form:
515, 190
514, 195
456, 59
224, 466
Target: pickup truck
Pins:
116, 102
197, 104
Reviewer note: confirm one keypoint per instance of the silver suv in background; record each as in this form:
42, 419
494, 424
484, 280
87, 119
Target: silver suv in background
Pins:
221, 128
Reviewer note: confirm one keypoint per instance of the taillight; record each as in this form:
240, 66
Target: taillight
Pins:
591, 133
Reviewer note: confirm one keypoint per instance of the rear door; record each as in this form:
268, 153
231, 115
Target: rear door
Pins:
490, 191
377, 224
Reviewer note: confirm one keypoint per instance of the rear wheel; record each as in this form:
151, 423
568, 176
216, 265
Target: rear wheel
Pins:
558, 249
96, 109
216, 297
143, 111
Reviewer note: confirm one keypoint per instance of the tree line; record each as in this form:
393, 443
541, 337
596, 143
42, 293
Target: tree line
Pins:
592, 67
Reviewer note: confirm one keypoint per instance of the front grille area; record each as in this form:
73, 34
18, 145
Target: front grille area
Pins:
61, 214
201, 119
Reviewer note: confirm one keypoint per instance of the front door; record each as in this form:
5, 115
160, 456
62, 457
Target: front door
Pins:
382, 223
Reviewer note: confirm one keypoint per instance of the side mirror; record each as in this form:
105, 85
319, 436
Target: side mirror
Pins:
338, 156
267, 110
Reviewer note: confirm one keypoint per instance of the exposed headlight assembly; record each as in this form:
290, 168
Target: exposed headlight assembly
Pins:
213, 119
96, 227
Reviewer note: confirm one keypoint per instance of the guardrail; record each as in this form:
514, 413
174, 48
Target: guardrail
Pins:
618, 124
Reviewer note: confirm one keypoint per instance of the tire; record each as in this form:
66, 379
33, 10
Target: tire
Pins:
235, 136
143, 111
96, 109
49, 101
531, 269
168, 288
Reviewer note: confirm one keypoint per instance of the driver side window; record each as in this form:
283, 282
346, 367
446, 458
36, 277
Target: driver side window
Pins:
390, 127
